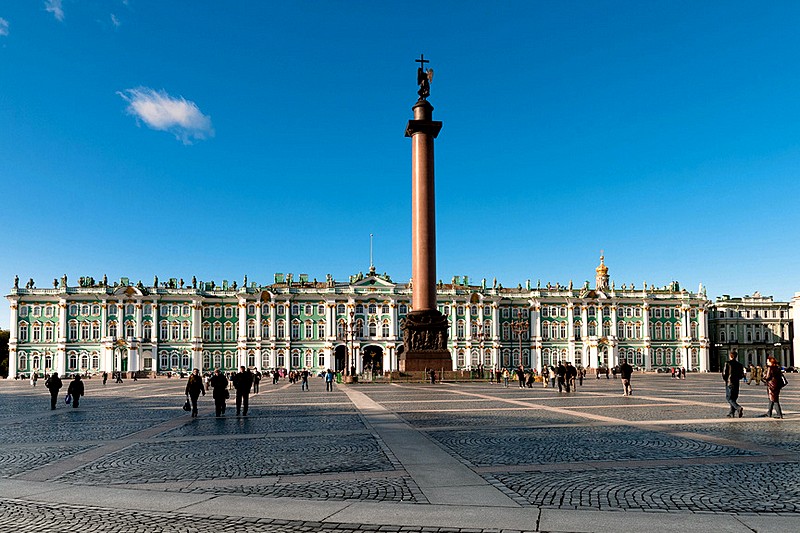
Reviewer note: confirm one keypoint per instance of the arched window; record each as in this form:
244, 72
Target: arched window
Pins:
175, 360
295, 330
340, 310
359, 309
95, 360
73, 330
460, 329
526, 358
460, 359
164, 363
281, 329
22, 332
606, 328
186, 326
693, 329
373, 329
265, 328
265, 362
129, 310
228, 331
251, 330
112, 329
695, 359
229, 361
562, 330
340, 329
295, 358
206, 361
506, 331
385, 330
487, 357
592, 328
321, 329
659, 331
621, 330
217, 331
309, 329
218, 360
129, 329
37, 332
251, 310
309, 359
280, 360
578, 356
506, 357
251, 358
22, 362
402, 309
48, 360
546, 356
372, 309
72, 361
84, 361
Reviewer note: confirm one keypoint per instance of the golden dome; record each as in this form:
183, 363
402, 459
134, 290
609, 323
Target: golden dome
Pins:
602, 268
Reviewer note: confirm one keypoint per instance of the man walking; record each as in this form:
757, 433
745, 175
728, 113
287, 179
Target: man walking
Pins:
242, 382
561, 376
733, 374
329, 380
53, 384
105, 378
220, 384
76, 390
195, 387
625, 372
304, 379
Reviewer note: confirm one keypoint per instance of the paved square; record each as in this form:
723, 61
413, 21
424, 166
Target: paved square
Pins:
411, 457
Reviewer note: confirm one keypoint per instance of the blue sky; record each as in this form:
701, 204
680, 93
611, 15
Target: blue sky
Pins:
184, 138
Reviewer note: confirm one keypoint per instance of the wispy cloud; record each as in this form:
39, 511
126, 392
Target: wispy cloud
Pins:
3, 26
54, 7
114, 20
163, 112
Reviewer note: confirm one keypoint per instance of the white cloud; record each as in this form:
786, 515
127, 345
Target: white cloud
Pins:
114, 20
54, 7
163, 112
3, 26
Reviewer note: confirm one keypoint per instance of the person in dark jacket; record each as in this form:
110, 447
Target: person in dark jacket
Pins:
572, 373
194, 387
774, 379
733, 374
242, 382
220, 384
625, 372
561, 376
54, 385
76, 390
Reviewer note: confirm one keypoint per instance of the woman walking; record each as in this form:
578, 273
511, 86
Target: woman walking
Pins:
774, 379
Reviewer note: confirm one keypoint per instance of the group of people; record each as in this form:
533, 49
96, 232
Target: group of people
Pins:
734, 373
74, 391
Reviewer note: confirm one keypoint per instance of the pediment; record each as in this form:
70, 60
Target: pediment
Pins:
373, 281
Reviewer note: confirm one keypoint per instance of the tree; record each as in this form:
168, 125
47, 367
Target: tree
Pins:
4, 335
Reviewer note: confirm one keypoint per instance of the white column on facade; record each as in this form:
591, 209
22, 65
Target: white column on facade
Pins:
468, 324
104, 319
536, 335
241, 343
495, 320
62, 320
794, 314
393, 320
272, 320
453, 330
121, 333
571, 321
154, 334
12, 339
258, 328
585, 322
138, 318
648, 357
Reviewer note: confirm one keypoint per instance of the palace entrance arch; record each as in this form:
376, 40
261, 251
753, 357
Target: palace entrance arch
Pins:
339, 357
372, 359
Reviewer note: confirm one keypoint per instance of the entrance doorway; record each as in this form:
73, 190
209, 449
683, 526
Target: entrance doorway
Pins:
339, 355
372, 360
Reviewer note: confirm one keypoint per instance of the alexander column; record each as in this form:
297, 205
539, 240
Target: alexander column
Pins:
425, 329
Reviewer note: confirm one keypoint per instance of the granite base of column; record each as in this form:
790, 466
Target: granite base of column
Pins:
425, 343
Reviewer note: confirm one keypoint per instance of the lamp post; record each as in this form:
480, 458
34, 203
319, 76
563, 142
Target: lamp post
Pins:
517, 327
479, 337
350, 333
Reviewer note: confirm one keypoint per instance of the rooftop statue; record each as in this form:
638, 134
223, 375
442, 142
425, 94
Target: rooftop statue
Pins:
424, 78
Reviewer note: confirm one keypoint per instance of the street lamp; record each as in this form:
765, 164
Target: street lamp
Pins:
517, 327
350, 333
479, 336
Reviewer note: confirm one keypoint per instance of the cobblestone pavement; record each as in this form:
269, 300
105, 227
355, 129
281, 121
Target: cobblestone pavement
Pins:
28, 517
668, 449
757, 488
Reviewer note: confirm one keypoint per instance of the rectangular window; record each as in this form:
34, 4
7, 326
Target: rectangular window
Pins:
229, 312
217, 312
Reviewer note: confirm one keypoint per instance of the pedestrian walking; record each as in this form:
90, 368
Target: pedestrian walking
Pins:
34, 378
552, 377
433, 376
220, 394
195, 387
304, 379
572, 373
329, 380
561, 377
105, 378
243, 382
76, 390
256, 381
775, 381
545, 376
505, 377
521, 376
53, 384
732, 374
626, 371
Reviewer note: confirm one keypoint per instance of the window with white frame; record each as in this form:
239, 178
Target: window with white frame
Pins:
403, 309
148, 331
295, 309
206, 312
73, 309
72, 330
309, 309
129, 329
186, 328
309, 329
251, 329
281, 327
228, 311
265, 328
295, 330
321, 329
385, 330
217, 331
206, 332
373, 329
217, 312
176, 330
340, 310
228, 331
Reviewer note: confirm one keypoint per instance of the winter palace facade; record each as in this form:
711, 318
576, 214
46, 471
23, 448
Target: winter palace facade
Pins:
172, 326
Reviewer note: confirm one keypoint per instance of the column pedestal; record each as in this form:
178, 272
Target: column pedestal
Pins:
425, 342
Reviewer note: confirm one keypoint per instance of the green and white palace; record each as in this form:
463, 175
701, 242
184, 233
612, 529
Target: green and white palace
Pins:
295, 323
